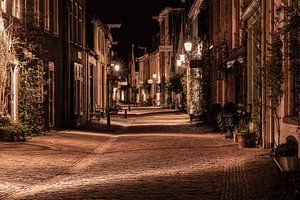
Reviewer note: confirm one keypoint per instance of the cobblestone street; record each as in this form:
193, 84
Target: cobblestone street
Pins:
146, 156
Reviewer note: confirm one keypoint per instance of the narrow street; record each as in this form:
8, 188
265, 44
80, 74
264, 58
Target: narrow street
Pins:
155, 154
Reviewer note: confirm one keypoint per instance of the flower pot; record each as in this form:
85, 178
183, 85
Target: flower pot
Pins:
235, 137
288, 163
246, 140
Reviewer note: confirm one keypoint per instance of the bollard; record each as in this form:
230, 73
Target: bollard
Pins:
128, 107
125, 113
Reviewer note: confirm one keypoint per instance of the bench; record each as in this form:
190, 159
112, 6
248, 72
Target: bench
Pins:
287, 174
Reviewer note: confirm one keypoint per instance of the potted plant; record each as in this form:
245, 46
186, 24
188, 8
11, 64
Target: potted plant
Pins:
245, 137
286, 155
244, 133
227, 119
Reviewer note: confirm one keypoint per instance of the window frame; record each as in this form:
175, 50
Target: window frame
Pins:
71, 20
47, 15
78, 89
56, 17
36, 12
3, 6
51, 96
16, 8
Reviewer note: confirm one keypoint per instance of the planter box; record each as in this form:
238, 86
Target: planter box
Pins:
10, 136
288, 163
247, 140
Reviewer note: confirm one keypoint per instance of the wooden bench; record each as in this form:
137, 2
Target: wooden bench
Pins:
287, 174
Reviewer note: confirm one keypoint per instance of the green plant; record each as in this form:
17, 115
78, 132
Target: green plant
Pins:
227, 119
242, 126
5, 121
175, 83
286, 149
11, 132
214, 111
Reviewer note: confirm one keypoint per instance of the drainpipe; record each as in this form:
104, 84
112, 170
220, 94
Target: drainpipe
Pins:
264, 98
272, 112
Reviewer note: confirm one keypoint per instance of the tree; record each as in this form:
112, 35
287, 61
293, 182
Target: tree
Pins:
175, 83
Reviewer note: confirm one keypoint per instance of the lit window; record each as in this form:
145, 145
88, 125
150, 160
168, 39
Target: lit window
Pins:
3, 5
55, 17
46, 15
16, 8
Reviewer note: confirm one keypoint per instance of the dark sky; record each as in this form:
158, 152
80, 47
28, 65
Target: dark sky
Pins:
136, 19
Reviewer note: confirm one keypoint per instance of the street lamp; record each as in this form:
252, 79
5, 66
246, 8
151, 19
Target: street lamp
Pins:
108, 81
117, 67
179, 63
188, 46
154, 76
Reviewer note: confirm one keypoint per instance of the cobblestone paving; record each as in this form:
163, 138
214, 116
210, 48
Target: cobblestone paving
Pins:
159, 156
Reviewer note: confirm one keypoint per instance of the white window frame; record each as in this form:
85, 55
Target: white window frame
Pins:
47, 15
78, 89
3, 5
56, 16
16, 8
36, 10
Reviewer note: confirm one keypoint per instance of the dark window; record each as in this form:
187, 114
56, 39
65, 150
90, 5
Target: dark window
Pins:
71, 21
80, 26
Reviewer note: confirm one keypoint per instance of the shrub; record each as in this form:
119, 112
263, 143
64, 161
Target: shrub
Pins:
213, 112
286, 149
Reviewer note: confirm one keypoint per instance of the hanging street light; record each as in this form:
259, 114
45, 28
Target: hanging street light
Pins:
188, 46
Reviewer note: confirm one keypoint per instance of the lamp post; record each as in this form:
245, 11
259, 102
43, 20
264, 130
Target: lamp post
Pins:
188, 45
108, 93
154, 76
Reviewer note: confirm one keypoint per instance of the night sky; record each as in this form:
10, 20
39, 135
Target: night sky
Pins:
138, 27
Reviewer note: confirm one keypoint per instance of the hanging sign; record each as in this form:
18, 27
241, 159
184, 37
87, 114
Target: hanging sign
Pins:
196, 63
165, 48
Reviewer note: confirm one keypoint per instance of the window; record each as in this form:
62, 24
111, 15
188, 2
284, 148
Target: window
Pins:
218, 14
51, 95
102, 44
3, 5
297, 92
78, 89
71, 21
234, 24
46, 15
16, 8
40, 90
98, 39
36, 10
55, 17
76, 23
80, 26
